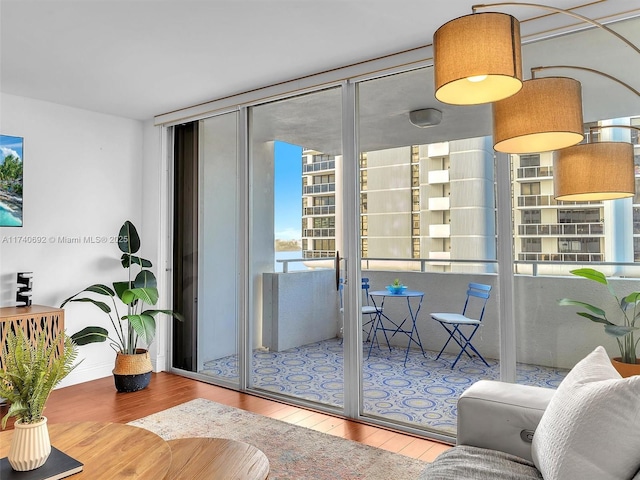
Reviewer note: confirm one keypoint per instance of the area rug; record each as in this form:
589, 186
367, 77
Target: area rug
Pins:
294, 452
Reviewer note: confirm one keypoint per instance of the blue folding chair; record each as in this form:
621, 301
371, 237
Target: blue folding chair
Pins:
477, 297
368, 309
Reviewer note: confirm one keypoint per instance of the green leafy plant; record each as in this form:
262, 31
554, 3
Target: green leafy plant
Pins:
139, 290
628, 314
396, 283
32, 369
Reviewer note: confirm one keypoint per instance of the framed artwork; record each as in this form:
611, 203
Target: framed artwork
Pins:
11, 181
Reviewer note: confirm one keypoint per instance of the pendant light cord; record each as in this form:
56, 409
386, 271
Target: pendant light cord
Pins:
592, 70
558, 10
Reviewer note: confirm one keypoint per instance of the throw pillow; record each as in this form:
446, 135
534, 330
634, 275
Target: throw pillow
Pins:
590, 428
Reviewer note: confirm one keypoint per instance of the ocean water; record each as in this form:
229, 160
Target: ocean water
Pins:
7, 219
293, 266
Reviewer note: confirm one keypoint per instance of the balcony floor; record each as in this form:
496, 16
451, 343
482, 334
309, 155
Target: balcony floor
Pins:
423, 393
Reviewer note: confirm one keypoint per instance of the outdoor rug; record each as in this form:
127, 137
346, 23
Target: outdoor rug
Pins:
294, 452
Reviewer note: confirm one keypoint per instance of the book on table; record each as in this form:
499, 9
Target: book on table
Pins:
58, 465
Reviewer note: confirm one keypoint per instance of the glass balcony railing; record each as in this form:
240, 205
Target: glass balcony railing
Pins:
319, 188
318, 166
546, 200
320, 210
535, 172
319, 232
561, 229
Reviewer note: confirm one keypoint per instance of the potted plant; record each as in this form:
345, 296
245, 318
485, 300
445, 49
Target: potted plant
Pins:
628, 313
133, 367
396, 287
32, 369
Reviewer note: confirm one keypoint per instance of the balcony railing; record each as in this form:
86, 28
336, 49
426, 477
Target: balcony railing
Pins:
318, 166
439, 203
561, 257
320, 210
438, 177
535, 172
440, 231
561, 229
319, 232
319, 188
547, 200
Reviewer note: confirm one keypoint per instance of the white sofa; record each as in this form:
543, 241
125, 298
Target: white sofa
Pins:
587, 429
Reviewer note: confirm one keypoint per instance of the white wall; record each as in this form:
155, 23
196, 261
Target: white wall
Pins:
82, 178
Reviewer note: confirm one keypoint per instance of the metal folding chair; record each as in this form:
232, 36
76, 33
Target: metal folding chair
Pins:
368, 308
477, 297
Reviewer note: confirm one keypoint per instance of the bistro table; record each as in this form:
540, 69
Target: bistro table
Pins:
378, 297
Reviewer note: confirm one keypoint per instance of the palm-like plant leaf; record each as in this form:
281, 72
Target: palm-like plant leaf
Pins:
128, 239
147, 295
127, 260
144, 325
618, 330
593, 318
101, 305
97, 288
90, 335
145, 279
595, 275
577, 303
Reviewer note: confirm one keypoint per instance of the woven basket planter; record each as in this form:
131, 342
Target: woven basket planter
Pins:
132, 372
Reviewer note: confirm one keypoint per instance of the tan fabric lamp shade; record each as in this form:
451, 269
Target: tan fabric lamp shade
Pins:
545, 115
594, 171
477, 59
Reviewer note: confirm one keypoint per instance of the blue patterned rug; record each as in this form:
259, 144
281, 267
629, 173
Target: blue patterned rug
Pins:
423, 393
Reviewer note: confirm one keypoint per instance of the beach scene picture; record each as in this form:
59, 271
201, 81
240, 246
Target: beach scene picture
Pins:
11, 181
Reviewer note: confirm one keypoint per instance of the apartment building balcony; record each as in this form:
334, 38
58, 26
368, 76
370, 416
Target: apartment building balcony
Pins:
439, 203
316, 167
318, 253
440, 231
540, 172
319, 232
436, 177
548, 201
561, 257
319, 188
561, 229
319, 210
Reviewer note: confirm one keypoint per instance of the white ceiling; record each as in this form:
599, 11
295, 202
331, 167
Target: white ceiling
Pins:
140, 58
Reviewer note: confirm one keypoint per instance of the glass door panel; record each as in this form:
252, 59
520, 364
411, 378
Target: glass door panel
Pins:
206, 250
295, 185
427, 217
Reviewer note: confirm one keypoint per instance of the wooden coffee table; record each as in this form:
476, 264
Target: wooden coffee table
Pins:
219, 458
108, 451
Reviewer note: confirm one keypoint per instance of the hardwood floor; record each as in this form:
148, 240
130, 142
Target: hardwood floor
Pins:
98, 401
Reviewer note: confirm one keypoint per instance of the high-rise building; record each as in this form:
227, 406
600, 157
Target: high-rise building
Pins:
436, 202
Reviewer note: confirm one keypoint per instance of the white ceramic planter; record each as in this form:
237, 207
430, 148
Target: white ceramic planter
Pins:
30, 446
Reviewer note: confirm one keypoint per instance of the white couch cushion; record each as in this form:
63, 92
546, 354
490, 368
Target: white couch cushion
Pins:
590, 428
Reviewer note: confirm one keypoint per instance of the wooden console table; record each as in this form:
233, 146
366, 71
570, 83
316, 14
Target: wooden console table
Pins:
31, 320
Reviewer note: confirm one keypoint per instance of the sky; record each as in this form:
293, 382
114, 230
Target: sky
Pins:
10, 145
288, 191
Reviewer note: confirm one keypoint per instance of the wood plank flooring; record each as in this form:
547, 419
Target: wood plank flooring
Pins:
98, 401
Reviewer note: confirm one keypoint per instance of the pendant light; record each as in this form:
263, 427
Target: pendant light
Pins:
477, 59
595, 171
545, 115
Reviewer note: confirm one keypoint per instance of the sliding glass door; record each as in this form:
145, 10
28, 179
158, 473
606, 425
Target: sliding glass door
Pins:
427, 216
295, 298
206, 251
